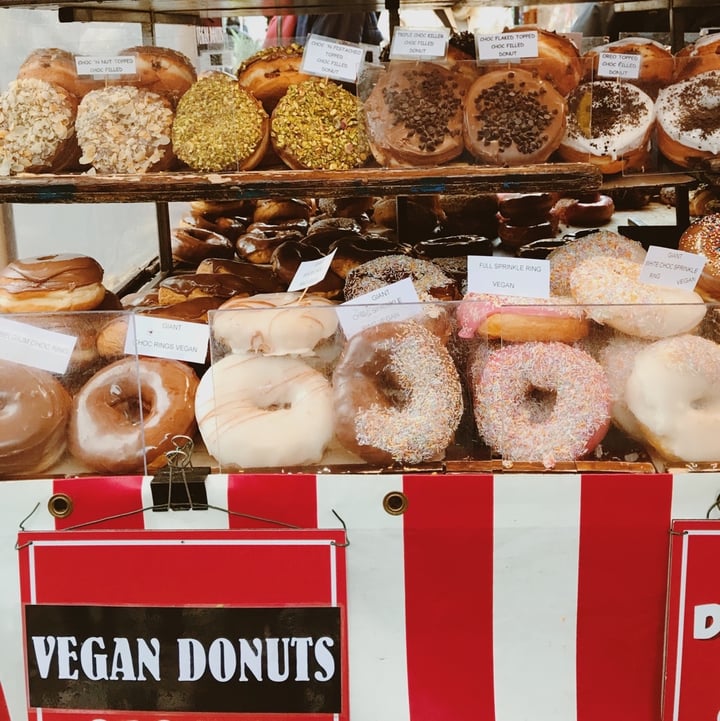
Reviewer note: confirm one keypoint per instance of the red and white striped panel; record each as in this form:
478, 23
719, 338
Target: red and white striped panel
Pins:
498, 598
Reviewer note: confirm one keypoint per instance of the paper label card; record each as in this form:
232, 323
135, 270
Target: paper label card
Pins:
331, 59
311, 272
414, 43
507, 46
672, 268
100, 65
394, 302
619, 65
167, 338
35, 347
525, 277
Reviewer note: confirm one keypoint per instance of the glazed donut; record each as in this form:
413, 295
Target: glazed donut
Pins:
515, 236
703, 238
37, 127
261, 277
688, 122
468, 214
179, 288
512, 118
57, 66
270, 72
657, 63
586, 211
565, 259
429, 281
241, 207
352, 250
422, 216
609, 125
163, 71
230, 227
397, 395
219, 126
258, 246
698, 57
278, 211
673, 391
192, 244
270, 413
414, 115
66, 281
703, 200
286, 260
525, 208
123, 129
517, 319
34, 414
112, 430
346, 207
319, 125
275, 323
541, 403
453, 246
558, 60
615, 296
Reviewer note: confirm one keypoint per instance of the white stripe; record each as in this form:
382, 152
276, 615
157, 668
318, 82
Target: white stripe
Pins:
216, 486
693, 494
535, 580
376, 592
681, 627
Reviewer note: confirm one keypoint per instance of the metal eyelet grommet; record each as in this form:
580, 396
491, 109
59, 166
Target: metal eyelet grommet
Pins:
60, 505
395, 503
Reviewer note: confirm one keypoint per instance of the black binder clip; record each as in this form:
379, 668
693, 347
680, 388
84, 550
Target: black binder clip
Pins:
178, 486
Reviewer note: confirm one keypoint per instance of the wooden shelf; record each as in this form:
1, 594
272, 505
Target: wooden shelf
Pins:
283, 183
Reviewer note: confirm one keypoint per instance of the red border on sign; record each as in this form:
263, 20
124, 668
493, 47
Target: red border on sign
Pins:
285, 567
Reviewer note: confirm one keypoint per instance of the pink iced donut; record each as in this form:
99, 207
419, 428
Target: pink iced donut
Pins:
542, 403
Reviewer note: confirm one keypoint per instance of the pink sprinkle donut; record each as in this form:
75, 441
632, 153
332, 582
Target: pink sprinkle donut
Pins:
542, 403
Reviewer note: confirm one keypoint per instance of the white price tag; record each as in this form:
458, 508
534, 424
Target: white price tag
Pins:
98, 65
416, 44
311, 272
331, 59
619, 65
507, 46
672, 268
35, 347
384, 305
526, 277
166, 338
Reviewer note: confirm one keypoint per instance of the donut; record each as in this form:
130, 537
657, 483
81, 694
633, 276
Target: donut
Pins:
62, 282
702, 237
414, 115
260, 276
269, 73
229, 227
512, 118
351, 207
429, 281
614, 295
34, 415
698, 57
37, 127
124, 418
286, 260
586, 211
259, 412
558, 60
123, 129
609, 125
220, 126
275, 323
564, 259
515, 236
468, 214
240, 207
352, 250
319, 125
673, 391
541, 403
57, 66
192, 244
397, 394
657, 63
703, 200
688, 122
518, 319
275, 211
422, 215
164, 71
258, 245
453, 246
179, 288
525, 208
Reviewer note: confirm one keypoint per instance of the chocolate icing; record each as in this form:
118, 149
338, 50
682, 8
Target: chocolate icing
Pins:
50, 272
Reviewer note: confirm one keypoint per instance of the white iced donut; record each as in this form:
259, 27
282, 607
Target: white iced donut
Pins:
614, 295
259, 412
673, 391
275, 323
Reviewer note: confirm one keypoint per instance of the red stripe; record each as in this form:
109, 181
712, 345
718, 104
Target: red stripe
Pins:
113, 502
448, 537
268, 501
4, 713
622, 586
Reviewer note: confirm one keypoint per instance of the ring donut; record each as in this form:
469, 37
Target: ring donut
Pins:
586, 211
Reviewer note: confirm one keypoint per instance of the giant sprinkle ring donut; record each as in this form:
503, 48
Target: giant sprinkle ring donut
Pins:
542, 403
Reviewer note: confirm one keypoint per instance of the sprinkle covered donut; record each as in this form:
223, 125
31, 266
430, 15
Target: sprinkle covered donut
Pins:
397, 394
542, 403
